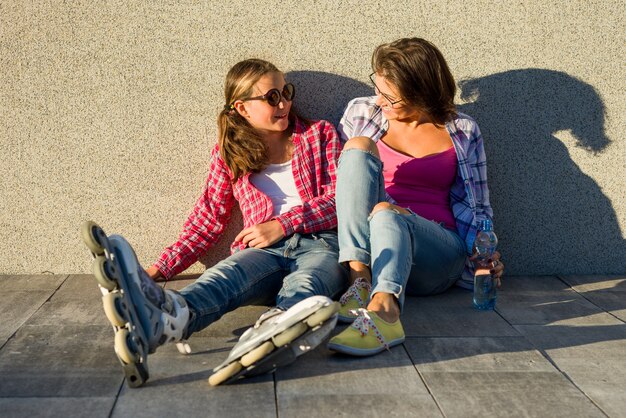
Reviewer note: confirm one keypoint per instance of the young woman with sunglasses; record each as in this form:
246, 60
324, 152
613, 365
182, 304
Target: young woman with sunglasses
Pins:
411, 190
280, 168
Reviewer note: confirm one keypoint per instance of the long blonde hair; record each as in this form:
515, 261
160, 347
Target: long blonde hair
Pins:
241, 147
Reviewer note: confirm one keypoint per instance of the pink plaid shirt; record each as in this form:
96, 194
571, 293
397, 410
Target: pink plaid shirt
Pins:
314, 164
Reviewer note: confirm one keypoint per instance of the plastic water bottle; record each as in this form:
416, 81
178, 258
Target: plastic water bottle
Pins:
484, 284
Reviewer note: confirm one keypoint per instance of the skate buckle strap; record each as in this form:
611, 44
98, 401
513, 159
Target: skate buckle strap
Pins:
364, 322
270, 313
353, 291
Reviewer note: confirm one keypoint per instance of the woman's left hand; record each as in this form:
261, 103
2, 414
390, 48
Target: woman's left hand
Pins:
497, 268
261, 235
495, 265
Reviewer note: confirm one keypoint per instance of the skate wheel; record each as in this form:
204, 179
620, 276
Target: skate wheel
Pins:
122, 349
322, 315
102, 269
113, 307
224, 374
257, 354
94, 237
289, 334
183, 348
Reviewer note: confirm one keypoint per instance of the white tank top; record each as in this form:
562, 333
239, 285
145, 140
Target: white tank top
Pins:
276, 181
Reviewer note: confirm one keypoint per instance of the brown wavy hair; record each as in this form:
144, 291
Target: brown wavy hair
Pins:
241, 146
420, 73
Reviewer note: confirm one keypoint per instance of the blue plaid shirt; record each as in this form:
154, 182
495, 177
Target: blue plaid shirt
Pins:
469, 195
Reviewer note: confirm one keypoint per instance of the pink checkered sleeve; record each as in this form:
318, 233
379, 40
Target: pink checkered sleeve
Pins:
316, 154
205, 224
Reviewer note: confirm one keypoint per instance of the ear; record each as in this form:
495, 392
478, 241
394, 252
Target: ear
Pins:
240, 107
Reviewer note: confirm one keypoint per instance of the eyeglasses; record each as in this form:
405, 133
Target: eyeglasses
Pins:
274, 95
390, 100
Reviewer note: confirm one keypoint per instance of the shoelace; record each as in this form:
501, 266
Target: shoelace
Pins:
364, 322
353, 291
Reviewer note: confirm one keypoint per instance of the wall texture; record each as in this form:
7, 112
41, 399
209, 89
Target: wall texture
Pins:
107, 112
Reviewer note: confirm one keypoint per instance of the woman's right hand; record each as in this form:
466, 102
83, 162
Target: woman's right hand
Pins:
261, 235
155, 274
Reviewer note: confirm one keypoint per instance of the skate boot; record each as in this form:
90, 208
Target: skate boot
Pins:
278, 338
143, 315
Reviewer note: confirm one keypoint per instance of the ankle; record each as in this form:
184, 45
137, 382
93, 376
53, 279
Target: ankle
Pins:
359, 270
385, 305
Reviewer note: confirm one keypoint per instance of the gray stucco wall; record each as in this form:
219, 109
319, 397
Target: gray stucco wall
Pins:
107, 112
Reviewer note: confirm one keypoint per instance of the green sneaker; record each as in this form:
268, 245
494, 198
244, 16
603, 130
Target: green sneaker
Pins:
355, 298
368, 335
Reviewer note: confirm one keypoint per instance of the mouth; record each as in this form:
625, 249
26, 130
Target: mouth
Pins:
280, 116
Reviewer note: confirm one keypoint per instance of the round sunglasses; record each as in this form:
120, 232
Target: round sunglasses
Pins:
274, 95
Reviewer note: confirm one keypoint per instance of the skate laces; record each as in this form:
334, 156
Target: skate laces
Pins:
364, 322
353, 292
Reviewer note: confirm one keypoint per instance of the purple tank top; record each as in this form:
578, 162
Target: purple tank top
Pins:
421, 184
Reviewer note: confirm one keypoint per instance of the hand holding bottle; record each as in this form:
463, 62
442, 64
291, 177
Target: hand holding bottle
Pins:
496, 266
488, 267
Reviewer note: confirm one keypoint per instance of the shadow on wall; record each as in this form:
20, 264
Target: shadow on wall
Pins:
550, 216
322, 95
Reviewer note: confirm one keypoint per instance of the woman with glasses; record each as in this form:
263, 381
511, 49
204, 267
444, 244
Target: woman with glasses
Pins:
280, 168
411, 190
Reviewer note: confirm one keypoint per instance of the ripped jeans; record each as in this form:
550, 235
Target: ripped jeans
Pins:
407, 254
294, 268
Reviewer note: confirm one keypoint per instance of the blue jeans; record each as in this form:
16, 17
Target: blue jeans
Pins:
283, 274
406, 253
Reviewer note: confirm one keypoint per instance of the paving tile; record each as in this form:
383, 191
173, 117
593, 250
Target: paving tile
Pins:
22, 296
28, 282
607, 292
585, 283
16, 308
363, 405
178, 387
61, 360
56, 407
612, 403
78, 286
508, 394
481, 354
608, 341
338, 373
546, 300
78, 301
451, 314
538, 284
330, 384
594, 357
70, 312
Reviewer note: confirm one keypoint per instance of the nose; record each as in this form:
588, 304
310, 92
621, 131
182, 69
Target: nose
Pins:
283, 103
380, 100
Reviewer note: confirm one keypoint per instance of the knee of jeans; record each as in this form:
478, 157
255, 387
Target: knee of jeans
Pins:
381, 206
383, 214
362, 143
